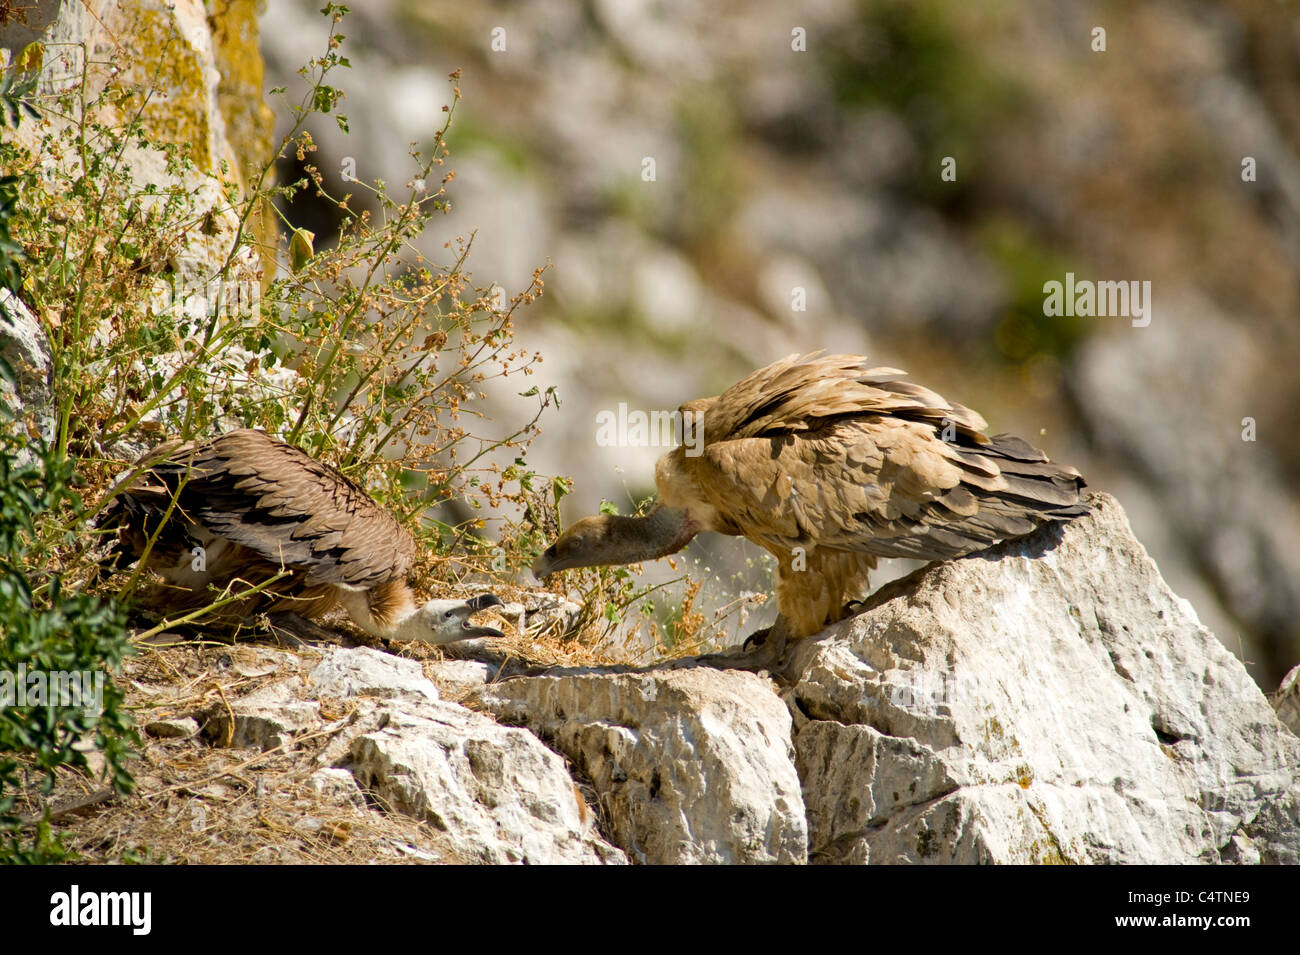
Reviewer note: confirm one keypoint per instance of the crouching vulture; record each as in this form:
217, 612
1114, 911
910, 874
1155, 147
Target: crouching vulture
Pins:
239, 509
828, 463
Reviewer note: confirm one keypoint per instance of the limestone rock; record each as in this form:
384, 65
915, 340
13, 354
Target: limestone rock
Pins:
1286, 701
167, 46
182, 728
1249, 549
24, 345
461, 676
1047, 700
268, 717
337, 784
363, 671
497, 793
692, 765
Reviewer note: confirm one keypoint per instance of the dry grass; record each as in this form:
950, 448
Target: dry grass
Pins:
202, 803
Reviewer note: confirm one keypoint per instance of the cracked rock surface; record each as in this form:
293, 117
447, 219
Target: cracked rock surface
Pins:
495, 793
1048, 700
691, 765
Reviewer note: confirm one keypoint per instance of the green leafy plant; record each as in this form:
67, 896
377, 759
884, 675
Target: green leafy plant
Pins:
45, 629
11, 253
17, 88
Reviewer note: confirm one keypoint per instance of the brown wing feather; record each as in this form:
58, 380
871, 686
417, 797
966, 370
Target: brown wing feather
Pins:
825, 452
799, 393
286, 506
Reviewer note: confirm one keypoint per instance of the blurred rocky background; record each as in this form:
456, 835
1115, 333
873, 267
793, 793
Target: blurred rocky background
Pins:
802, 148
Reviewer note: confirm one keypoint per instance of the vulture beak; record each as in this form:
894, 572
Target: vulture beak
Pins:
549, 562
473, 606
542, 567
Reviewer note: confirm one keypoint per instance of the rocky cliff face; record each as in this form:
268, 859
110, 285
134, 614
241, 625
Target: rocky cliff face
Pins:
1049, 700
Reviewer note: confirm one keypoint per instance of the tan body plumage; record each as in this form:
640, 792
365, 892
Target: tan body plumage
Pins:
828, 464
248, 506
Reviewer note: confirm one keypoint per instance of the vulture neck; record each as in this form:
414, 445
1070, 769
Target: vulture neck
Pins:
630, 540
388, 610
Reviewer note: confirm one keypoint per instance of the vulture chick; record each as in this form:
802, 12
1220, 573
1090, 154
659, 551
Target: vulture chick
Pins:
828, 464
248, 506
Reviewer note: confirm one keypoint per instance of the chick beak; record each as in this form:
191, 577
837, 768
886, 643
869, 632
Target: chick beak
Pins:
473, 606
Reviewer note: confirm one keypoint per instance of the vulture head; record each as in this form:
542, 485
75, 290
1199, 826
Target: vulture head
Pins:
612, 539
446, 621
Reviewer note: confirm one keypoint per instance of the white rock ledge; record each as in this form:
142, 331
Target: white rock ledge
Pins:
1048, 700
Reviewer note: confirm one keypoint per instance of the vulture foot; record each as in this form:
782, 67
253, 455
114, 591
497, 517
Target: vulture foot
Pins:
763, 650
852, 609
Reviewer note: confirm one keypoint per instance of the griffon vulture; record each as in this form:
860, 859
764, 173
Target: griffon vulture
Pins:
829, 463
246, 506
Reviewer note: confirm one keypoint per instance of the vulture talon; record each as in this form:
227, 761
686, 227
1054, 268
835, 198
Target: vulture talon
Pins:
766, 656
762, 650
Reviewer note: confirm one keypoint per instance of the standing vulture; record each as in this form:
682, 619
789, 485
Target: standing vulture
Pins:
238, 509
828, 464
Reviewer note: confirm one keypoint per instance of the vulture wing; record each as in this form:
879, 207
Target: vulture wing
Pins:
280, 502
825, 452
